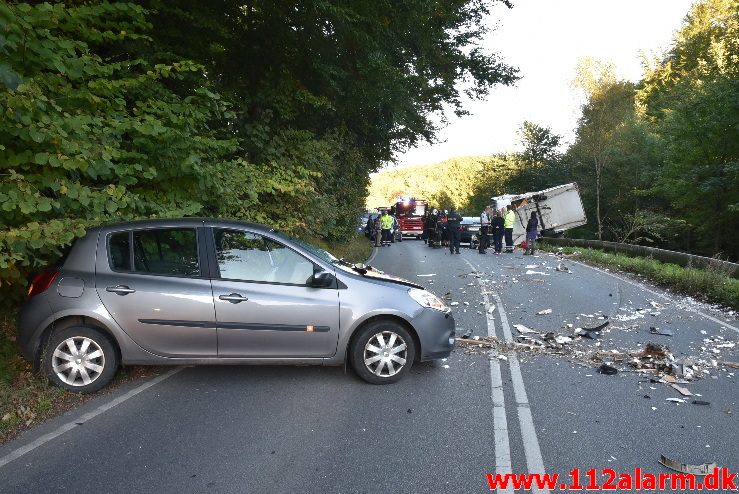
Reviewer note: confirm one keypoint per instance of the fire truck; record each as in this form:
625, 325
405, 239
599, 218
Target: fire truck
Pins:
409, 212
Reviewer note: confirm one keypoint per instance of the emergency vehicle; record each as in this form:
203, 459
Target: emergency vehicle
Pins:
410, 212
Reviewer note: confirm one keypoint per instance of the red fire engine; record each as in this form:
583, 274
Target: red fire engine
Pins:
409, 213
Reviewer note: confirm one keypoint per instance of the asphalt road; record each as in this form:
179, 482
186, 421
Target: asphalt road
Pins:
312, 429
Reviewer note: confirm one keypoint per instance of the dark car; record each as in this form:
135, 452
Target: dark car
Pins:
470, 231
201, 291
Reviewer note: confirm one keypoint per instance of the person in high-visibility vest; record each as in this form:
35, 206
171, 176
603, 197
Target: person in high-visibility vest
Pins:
508, 220
386, 221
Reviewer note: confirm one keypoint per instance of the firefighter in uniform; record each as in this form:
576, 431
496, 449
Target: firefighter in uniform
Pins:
453, 222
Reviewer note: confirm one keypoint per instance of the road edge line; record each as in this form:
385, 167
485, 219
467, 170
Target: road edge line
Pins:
17, 453
656, 294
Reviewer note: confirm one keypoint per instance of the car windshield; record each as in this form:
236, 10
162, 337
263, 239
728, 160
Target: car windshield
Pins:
316, 251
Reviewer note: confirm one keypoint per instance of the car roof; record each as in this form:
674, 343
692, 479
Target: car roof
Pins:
180, 222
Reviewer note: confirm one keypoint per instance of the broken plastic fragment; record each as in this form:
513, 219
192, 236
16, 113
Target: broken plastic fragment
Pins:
681, 390
544, 312
662, 331
675, 400
704, 469
523, 329
597, 328
608, 370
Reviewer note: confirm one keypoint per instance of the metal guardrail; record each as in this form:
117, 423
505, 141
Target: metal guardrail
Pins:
679, 258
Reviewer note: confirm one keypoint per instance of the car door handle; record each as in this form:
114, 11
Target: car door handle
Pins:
234, 298
120, 289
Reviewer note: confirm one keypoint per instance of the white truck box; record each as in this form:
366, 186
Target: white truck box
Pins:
558, 209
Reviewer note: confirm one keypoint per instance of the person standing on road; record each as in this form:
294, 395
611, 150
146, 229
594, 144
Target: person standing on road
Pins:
484, 230
497, 226
453, 222
386, 221
377, 231
532, 228
508, 220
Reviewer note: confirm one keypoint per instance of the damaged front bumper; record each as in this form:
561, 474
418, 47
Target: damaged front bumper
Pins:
435, 330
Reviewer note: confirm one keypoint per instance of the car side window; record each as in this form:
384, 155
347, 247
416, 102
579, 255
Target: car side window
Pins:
169, 252
248, 256
119, 248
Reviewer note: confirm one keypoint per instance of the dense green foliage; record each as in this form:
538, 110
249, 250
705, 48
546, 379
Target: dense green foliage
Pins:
269, 111
657, 162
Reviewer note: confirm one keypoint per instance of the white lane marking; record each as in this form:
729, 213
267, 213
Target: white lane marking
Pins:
84, 418
532, 451
372, 257
500, 421
657, 294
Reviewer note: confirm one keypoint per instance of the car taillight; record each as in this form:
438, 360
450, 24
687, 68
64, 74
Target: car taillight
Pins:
41, 282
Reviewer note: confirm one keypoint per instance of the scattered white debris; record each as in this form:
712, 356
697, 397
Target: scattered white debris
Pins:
523, 329
425, 275
454, 304
544, 312
675, 400
535, 272
446, 366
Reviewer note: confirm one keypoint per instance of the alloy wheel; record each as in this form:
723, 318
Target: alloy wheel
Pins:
78, 361
385, 354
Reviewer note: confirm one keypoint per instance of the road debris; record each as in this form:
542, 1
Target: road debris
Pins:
524, 330
536, 272
704, 469
700, 402
681, 390
596, 328
454, 304
466, 334
562, 268
608, 370
425, 275
661, 331
544, 312
675, 400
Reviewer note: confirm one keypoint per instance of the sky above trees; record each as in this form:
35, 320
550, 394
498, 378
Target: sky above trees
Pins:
545, 39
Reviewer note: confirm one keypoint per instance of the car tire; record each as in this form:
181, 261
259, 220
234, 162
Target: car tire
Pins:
95, 364
378, 350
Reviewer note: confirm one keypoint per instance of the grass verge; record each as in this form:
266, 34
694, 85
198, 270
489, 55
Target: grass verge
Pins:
706, 284
27, 398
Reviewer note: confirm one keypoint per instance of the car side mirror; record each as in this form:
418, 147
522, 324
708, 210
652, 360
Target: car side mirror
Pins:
321, 279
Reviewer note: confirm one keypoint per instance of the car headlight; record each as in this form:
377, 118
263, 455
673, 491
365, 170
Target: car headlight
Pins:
427, 299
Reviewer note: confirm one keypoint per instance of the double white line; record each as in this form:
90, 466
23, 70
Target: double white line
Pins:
534, 461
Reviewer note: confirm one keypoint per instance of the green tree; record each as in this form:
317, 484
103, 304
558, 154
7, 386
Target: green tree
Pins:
609, 105
692, 99
84, 140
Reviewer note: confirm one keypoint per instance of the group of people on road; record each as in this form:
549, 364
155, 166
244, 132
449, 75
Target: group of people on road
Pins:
381, 229
499, 224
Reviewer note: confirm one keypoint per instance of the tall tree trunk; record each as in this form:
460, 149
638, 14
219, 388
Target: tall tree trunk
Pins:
598, 169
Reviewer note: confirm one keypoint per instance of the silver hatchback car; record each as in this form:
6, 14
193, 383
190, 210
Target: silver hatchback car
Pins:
200, 291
